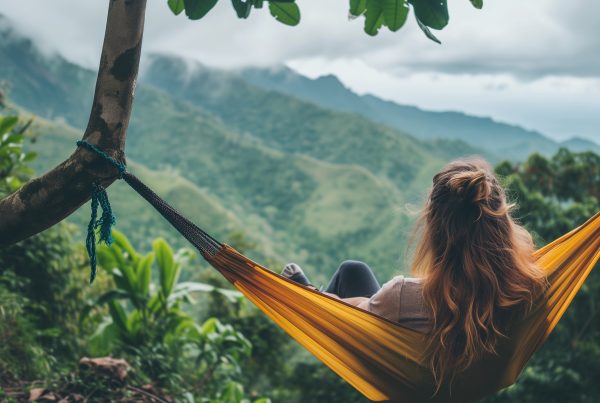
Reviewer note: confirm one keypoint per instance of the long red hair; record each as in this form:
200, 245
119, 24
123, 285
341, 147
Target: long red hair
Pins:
476, 263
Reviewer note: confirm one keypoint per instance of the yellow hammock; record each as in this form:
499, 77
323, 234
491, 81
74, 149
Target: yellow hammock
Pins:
381, 359
385, 361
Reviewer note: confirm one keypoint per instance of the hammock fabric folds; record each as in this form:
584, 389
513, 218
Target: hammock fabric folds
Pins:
381, 359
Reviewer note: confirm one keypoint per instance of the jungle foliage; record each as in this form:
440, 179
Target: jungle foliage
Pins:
186, 333
554, 195
49, 318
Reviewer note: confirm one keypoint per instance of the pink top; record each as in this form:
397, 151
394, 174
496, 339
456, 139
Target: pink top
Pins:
401, 300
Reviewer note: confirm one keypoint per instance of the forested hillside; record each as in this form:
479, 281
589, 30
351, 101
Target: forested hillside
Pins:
301, 182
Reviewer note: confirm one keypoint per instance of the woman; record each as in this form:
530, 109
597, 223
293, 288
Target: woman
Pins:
473, 266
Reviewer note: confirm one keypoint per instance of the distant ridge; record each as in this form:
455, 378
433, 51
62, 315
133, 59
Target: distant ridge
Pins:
300, 182
580, 144
502, 139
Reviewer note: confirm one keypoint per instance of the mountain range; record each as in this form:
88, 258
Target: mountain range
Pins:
312, 178
500, 139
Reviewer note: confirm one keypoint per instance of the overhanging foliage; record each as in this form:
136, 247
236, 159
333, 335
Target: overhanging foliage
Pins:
377, 13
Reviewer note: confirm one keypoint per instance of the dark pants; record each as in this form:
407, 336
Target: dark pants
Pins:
351, 279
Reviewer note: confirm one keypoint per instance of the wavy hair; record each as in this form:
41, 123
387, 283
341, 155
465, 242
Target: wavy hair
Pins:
477, 265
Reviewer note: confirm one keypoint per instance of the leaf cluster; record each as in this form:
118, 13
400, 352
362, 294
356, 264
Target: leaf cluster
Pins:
14, 170
147, 323
284, 11
429, 14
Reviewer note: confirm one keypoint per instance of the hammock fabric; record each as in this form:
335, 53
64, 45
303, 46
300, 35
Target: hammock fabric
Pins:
381, 359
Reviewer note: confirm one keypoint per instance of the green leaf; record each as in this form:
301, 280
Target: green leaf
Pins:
8, 123
167, 268
117, 253
232, 392
176, 6
196, 9
286, 13
373, 17
427, 32
242, 8
121, 240
432, 13
357, 7
118, 316
210, 326
156, 303
188, 327
102, 342
13, 182
24, 171
477, 4
14, 139
106, 259
191, 286
110, 296
135, 323
103, 299
28, 157
175, 318
144, 273
130, 279
395, 13
119, 280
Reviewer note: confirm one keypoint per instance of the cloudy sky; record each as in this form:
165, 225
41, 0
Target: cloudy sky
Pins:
536, 64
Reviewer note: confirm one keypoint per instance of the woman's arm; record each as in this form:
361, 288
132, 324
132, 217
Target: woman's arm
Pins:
360, 302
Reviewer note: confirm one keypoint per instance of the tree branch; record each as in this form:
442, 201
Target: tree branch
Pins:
47, 200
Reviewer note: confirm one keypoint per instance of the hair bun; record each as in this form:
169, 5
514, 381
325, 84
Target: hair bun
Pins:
471, 186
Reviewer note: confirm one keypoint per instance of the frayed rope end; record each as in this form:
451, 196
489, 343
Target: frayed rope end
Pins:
103, 224
100, 198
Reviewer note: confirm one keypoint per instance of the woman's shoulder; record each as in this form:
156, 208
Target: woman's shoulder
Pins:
413, 281
403, 281
396, 279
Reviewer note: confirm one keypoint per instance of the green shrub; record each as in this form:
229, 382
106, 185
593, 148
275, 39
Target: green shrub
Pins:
21, 354
147, 324
41, 292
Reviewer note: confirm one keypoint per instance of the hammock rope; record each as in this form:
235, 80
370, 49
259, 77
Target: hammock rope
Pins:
206, 244
117, 164
381, 359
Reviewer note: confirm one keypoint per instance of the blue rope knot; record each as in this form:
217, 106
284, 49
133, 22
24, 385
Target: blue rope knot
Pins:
117, 164
107, 219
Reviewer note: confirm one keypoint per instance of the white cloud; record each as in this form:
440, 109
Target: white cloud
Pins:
550, 104
531, 63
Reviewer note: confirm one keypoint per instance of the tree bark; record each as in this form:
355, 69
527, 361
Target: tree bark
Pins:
47, 200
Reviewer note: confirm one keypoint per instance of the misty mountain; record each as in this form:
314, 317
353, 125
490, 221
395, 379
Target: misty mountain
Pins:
499, 138
301, 182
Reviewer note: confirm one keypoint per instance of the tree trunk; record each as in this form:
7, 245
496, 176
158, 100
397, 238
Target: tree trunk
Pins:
47, 200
